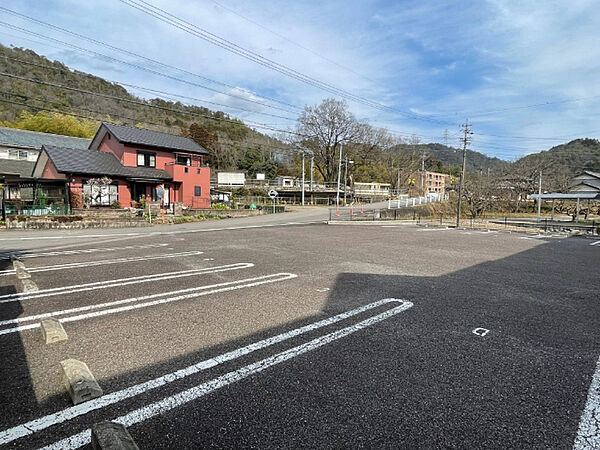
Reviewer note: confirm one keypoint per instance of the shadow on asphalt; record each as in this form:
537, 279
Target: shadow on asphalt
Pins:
16, 389
525, 383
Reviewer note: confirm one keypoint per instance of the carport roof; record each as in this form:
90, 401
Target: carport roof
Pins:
16, 167
560, 196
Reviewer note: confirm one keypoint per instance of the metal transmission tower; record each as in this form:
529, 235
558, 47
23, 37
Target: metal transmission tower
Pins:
446, 137
465, 139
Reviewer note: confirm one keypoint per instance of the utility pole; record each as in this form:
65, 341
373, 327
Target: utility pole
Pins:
465, 140
303, 172
446, 137
539, 215
337, 198
423, 173
345, 178
312, 171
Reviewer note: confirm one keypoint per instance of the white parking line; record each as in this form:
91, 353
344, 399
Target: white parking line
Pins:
595, 243
196, 392
588, 434
31, 254
19, 296
159, 233
215, 288
101, 262
42, 423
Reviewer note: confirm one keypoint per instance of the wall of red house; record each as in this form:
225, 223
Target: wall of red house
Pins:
50, 171
76, 185
187, 181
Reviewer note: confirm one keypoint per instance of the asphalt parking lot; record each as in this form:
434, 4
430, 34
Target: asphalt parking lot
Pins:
307, 336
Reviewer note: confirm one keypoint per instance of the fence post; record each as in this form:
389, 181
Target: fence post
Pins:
414, 215
330, 214
505, 224
545, 225
593, 227
395, 214
441, 219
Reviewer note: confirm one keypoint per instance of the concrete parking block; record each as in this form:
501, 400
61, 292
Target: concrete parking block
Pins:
53, 331
112, 436
79, 381
29, 286
21, 270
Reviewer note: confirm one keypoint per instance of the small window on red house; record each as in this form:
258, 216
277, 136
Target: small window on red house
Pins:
146, 159
197, 191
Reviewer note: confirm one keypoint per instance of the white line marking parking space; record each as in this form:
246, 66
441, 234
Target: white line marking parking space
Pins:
159, 233
196, 392
588, 434
595, 243
192, 293
31, 254
42, 423
19, 296
102, 262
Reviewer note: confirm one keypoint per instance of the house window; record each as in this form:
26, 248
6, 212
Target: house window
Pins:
101, 195
17, 154
183, 160
146, 159
197, 191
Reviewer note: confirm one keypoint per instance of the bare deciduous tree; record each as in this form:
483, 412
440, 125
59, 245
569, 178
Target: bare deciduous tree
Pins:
323, 128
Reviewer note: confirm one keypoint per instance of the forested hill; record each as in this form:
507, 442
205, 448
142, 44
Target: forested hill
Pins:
452, 157
114, 103
565, 159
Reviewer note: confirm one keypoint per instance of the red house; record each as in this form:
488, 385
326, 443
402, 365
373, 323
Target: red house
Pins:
137, 161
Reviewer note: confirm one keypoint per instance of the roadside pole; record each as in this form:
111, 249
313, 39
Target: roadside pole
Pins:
539, 205
273, 194
303, 175
466, 139
337, 197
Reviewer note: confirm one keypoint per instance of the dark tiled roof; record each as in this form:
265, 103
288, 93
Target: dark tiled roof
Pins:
93, 162
592, 183
35, 139
11, 166
141, 136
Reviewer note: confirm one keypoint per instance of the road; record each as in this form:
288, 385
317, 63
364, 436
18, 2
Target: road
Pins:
268, 333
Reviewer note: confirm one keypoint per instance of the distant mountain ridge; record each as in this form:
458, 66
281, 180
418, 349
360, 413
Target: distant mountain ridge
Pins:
564, 159
476, 161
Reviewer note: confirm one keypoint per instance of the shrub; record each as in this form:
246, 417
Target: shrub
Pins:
220, 206
115, 205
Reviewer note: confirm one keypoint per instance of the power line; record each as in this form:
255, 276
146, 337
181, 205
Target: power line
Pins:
98, 113
137, 66
512, 108
154, 91
212, 38
83, 91
325, 58
136, 55
84, 50
218, 119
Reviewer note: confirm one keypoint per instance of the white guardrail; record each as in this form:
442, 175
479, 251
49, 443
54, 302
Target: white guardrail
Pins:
414, 201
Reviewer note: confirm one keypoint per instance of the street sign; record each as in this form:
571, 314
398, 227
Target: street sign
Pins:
273, 193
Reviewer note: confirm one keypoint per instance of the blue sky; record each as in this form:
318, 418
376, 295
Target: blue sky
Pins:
442, 62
